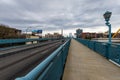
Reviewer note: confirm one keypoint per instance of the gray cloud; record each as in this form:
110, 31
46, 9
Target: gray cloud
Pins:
57, 14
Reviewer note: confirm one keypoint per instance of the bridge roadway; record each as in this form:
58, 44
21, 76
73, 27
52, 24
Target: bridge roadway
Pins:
85, 64
19, 61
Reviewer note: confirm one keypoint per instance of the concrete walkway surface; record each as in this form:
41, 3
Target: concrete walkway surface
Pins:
85, 64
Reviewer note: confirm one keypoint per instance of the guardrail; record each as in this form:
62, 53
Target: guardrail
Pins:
7, 41
52, 67
109, 51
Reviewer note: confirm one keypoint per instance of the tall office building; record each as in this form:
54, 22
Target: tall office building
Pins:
79, 33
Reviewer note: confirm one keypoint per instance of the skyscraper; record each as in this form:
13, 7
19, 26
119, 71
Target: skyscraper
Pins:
79, 33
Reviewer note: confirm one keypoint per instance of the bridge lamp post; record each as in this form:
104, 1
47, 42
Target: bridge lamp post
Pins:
107, 16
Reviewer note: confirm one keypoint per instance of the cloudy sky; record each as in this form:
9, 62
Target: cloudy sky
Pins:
53, 15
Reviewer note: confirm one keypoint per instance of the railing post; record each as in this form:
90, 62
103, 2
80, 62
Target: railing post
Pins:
94, 47
107, 51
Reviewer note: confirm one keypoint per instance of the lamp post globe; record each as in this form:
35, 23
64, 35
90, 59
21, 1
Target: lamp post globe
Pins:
107, 15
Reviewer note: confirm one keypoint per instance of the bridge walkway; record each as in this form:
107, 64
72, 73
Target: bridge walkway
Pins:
85, 64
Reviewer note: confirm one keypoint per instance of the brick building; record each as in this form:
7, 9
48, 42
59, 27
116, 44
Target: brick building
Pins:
55, 35
7, 32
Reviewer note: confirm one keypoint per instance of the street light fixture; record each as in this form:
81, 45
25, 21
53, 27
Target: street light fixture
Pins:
107, 16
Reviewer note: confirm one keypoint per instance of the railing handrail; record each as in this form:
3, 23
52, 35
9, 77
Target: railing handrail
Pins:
32, 75
6, 41
109, 51
99, 42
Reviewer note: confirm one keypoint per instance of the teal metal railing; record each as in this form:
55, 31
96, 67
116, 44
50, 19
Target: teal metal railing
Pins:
9, 41
13, 43
109, 51
52, 67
